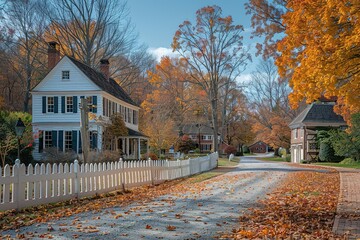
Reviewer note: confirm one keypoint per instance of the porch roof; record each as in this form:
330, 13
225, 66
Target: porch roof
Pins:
133, 133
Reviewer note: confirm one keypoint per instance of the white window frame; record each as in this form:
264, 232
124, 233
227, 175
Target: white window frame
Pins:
68, 140
65, 75
47, 139
48, 105
69, 104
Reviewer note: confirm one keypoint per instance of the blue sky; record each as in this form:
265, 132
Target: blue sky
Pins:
156, 21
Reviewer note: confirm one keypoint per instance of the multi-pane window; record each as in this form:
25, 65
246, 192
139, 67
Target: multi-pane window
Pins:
65, 75
135, 117
129, 115
209, 137
68, 140
50, 104
69, 104
47, 139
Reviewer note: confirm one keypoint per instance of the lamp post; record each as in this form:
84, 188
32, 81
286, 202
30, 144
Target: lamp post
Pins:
19, 130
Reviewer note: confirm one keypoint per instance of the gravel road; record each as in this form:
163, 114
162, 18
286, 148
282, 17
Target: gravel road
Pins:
201, 213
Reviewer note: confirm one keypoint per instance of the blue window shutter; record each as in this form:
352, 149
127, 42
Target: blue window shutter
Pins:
41, 143
54, 138
94, 142
56, 104
74, 140
82, 97
75, 104
95, 104
61, 140
44, 104
80, 143
63, 104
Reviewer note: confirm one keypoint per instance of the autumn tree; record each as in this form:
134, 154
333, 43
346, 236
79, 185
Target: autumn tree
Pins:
266, 21
25, 25
320, 52
171, 95
214, 53
92, 30
270, 106
315, 44
237, 122
114, 129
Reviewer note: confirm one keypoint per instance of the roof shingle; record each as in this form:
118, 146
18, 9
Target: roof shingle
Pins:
109, 86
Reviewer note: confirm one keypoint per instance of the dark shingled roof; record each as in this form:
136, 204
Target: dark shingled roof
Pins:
135, 133
318, 114
109, 86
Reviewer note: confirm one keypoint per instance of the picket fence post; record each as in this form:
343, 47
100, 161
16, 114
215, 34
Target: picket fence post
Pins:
16, 192
76, 180
122, 177
151, 171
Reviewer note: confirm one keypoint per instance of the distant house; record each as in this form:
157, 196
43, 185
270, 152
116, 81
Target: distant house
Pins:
201, 134
56, 113
316, 116
259, 147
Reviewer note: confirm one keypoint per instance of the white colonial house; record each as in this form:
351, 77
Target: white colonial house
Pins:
56, 113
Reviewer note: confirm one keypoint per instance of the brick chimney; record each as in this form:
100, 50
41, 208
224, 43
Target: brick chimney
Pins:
53, 55
104, 68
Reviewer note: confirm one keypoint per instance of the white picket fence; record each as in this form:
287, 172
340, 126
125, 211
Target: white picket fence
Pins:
22, 186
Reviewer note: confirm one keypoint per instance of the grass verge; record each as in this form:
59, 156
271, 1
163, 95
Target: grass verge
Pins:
224, 162
355, 165
274, 159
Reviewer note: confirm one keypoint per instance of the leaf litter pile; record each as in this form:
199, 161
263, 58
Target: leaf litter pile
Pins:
303, 207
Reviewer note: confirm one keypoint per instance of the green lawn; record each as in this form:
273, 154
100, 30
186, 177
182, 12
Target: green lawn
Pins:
355, 165
275, 159
224, 167
224, 162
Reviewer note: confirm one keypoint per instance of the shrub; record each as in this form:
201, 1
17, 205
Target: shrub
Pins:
348, 161
288, 158
245, 149
230, 150
185, 144
327, 153
104, 156
150, 155
239, 154
54, 155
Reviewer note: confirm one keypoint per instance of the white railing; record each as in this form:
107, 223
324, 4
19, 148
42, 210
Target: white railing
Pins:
22, 186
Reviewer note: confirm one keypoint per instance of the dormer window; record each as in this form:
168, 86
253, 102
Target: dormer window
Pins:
65, 75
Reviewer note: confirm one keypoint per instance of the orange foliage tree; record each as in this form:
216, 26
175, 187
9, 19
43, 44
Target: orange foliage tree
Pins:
317, 47
320, 52
168, 102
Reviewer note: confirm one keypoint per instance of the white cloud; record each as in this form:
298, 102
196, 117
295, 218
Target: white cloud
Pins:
161, 51
244, 79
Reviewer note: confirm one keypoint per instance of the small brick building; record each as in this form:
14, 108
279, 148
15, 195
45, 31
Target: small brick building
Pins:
259, 147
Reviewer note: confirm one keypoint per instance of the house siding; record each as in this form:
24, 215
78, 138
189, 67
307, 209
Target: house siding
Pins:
77, 82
